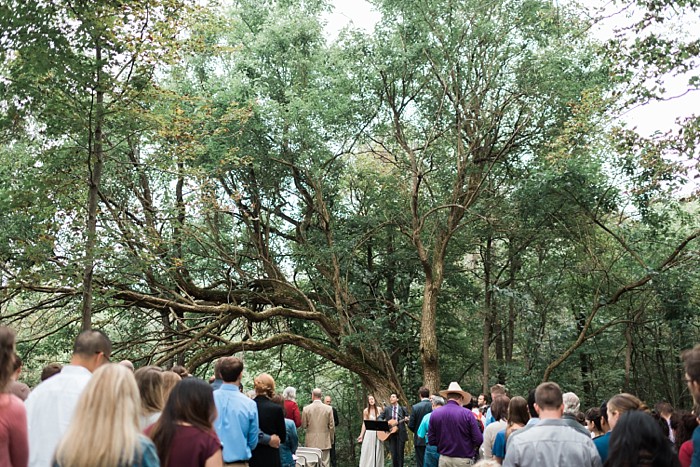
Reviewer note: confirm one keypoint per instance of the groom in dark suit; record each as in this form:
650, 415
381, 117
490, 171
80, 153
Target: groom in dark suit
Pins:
419, 411
396, 414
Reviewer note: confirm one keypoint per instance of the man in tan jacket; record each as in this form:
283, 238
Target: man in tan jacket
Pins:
317, 420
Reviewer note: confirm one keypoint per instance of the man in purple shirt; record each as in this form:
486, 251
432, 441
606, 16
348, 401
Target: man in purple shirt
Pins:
454, 429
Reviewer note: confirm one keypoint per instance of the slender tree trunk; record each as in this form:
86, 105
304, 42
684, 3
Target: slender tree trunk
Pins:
488, 316
95, 164
428, 341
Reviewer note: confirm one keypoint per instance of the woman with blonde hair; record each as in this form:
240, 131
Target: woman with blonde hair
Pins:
14, 443
615, 407
170, 379
105, 427
150, 383
270, 420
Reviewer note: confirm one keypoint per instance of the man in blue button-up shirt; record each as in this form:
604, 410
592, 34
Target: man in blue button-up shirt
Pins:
237, 421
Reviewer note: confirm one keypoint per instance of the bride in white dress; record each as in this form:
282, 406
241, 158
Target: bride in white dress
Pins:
371, 446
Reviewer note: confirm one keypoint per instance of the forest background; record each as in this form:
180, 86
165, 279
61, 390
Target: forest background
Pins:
455, 195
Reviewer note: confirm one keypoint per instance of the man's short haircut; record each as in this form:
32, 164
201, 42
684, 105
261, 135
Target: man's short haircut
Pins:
91, 342
691, 362
572, 404
663, 408
50, 370
317, 393
230, 368
498, 390
217, 369
499, 407
423, 392
437, 400
548, 396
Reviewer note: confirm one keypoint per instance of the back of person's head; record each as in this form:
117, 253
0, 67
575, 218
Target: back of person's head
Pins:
638, 440
499, 407
278, 399
691, 363
17, 363
498, 390
664, 408
217, 369
423, 392
230, 368
264, 385
170, 379
683, 425
437, 400
604, 411
626, 402
571, 403
517, 411
150, 383
50, 370
191, 402
531, 403
289, 393
181, 371
104, 430
91, 342
317, 393
548, 396
7, 356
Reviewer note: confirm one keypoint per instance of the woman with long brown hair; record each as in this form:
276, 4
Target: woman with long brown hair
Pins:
372, 448
518, 416
14, 444
184, 434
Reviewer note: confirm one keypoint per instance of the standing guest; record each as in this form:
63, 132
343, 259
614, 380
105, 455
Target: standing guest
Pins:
396, 415
594, 422
170, 379
418, 411
683, 424
551, 442
372, 452
327, 400
20, 390
50, 406
291, 408
499, 409
216, 384
616, 406
317, 420
105, 429
432, 457
496, 390
236, 423
518, 418
665, 411
572, 405
691, 364
482, 404
271, 422
184, 435
291, 443
637, 439
454, 429
150, 382
127, 364
50, 370
181, 371
14, 445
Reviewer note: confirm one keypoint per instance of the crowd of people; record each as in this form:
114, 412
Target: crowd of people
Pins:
92, 412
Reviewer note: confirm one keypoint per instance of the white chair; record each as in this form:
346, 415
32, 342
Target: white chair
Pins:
314, 456
300, 462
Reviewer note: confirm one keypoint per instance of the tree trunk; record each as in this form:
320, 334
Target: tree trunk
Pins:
95, 164
428, 341
488, 316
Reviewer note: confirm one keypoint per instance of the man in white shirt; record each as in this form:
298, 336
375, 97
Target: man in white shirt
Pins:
50, 406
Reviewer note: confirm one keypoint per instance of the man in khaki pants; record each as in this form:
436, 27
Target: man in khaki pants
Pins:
317, 420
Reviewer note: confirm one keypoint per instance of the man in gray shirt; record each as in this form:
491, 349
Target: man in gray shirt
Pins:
551, 442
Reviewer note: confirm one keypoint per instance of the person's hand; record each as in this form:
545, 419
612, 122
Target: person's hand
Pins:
274, 441
359, 439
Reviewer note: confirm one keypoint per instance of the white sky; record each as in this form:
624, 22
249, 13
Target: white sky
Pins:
658, 116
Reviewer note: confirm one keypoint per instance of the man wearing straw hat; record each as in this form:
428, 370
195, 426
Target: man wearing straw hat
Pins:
454, 429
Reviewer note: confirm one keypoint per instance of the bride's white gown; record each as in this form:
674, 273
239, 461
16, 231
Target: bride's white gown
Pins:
368, 449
